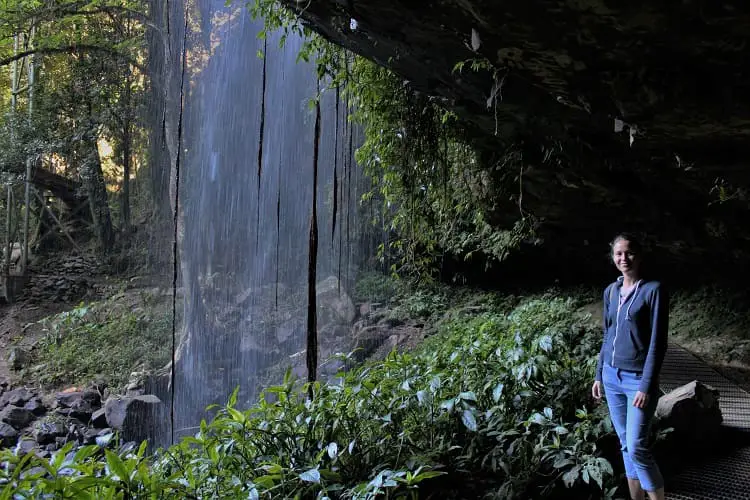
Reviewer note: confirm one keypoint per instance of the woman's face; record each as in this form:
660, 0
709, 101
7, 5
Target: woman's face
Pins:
626, 261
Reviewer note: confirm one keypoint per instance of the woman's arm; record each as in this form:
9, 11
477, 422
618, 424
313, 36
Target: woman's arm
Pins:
657, 349
600, 362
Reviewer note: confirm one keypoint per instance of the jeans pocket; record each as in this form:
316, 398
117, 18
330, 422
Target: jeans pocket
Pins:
631, 381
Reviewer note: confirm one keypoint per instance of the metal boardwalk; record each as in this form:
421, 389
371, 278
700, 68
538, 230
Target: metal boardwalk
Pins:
723, 474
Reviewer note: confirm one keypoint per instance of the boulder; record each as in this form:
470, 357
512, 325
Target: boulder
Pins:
25, 445
35, 406
129, 414
692, 410
74, 433
46, 432
90, 435
16, 397
16, 417
136, 383
368, 339
334, 304
74, 398
8, 435
17, 358
78, 404
99, 419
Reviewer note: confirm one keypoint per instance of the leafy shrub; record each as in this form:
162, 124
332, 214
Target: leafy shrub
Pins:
494, 406
91, 472
104, 340
375, 287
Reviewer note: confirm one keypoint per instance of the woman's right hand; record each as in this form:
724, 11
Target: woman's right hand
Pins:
596, 390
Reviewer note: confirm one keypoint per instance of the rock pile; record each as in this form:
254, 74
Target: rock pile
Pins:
367, 329
66, 280
29, 425
376, 332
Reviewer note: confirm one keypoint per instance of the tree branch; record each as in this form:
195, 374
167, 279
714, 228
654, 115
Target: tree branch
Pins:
71, 49
77, 9
111, 10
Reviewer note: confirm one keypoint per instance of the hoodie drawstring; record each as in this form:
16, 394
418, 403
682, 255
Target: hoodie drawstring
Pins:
632, 299
627, 314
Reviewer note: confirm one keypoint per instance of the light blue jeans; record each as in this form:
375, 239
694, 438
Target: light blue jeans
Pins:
632, 425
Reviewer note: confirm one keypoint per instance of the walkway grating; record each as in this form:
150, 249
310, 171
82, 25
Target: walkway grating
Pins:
717, 476
681, 367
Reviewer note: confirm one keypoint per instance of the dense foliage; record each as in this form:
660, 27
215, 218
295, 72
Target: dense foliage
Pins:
493, 405
74, 105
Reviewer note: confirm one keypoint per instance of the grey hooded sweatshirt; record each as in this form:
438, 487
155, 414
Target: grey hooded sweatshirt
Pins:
635, 332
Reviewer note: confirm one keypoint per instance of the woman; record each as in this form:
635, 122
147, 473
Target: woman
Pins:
636, 320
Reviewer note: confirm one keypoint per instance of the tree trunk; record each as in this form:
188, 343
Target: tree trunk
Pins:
127, 138
161, 74
93, 179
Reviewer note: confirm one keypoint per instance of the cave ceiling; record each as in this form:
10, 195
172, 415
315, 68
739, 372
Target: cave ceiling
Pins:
661, 89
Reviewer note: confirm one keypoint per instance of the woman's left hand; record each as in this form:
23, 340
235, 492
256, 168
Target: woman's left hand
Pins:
640, 400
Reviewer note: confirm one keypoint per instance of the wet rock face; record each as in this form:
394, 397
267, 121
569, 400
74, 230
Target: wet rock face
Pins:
650, 116
372, 336
130, 414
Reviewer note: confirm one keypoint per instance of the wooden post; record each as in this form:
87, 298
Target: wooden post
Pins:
14, 76
7, 289
60, 224
29, 161
8, 242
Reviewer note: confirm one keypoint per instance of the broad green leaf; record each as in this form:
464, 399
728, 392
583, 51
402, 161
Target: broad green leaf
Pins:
497, 392
570, 477
468, 396
467, 417
562, 462
116, 465
237, 415
595, 473
311, 476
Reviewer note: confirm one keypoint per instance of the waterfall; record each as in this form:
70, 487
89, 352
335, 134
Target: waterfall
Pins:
246, 188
